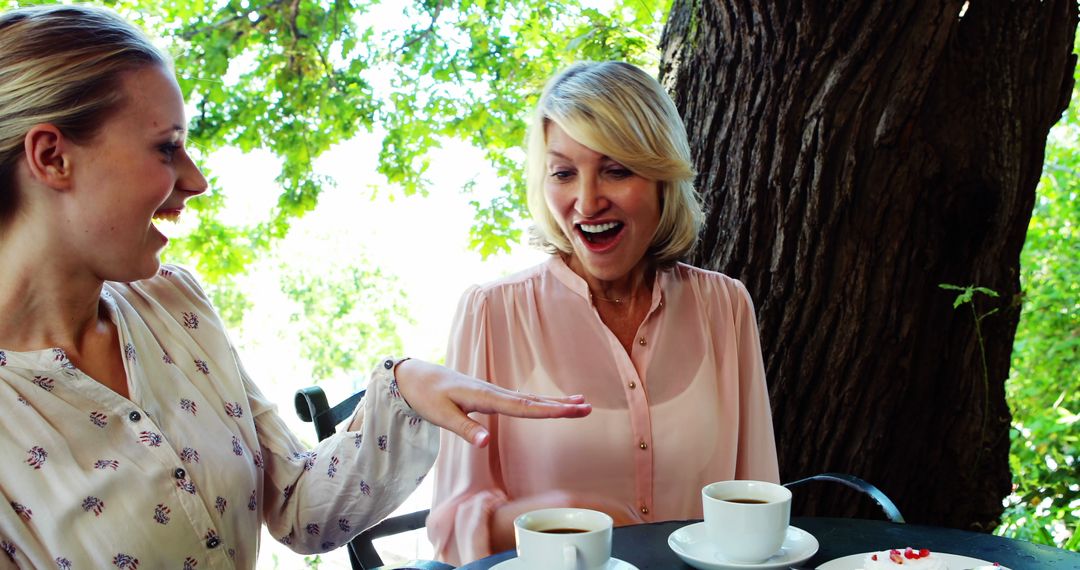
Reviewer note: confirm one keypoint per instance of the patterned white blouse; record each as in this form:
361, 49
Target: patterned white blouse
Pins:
183, 474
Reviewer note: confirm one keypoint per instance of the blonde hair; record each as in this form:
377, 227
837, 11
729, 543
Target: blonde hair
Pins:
618, 110
61, 65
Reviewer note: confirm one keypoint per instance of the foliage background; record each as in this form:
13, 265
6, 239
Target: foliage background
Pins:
1044, 385
297, 78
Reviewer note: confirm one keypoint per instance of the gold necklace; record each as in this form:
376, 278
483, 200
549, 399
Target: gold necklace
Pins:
595, 296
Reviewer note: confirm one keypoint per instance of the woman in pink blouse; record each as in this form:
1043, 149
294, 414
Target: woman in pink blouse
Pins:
668, 354
130, 434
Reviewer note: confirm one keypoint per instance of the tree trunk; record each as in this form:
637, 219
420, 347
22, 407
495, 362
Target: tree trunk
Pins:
852, 156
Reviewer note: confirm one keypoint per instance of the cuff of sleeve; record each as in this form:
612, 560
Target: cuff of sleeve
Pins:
385, 379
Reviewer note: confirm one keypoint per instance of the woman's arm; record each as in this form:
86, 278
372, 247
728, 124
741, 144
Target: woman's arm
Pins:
757, 446
314, 500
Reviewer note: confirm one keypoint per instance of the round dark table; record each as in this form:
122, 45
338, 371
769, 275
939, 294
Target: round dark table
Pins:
645, 546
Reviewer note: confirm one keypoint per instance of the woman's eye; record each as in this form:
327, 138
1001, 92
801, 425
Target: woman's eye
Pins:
562, 174
169, 149
620, 173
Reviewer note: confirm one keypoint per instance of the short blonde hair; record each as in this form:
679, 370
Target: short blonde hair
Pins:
618, 110
61, 65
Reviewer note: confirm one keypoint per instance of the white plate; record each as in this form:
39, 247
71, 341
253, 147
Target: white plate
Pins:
692, 545
955, 561
518, 564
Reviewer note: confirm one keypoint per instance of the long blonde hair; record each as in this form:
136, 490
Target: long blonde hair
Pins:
618, 110
61, 65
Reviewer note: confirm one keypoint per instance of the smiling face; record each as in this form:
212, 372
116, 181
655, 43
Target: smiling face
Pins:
133, 170
608, 213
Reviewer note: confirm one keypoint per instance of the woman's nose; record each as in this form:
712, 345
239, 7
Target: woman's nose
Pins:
191, 179
590, 199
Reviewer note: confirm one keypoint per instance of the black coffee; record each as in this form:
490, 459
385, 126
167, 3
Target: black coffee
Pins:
747, 501
563, 530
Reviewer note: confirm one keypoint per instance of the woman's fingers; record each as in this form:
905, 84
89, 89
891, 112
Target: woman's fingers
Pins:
445, 397
510, 403
541, 408
471, 431
573, 399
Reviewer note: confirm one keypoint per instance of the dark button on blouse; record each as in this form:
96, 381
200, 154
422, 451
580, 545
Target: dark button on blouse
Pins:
134, 416
388, 364
213, 542
179, 473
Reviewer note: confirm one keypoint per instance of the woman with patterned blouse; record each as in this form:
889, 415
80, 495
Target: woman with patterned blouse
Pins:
667, 354
130, 433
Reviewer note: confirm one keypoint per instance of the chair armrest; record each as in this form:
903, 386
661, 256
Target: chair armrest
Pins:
860, 485
395, 525
311, 406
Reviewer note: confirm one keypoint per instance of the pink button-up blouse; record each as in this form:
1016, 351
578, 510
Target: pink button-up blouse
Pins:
688, 406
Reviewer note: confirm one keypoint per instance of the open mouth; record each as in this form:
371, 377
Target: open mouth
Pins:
600, 234
171, 215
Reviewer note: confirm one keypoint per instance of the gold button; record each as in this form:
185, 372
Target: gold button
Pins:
643, 445
641, 341
644, 510
633, 385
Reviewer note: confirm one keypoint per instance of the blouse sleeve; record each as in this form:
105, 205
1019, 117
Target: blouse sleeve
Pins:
757, 447
468, 486
315, 500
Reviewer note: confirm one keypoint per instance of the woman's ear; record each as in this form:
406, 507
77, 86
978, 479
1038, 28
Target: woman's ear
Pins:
47, 156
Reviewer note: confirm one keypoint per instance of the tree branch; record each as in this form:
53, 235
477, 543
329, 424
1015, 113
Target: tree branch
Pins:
230, 20
425, 33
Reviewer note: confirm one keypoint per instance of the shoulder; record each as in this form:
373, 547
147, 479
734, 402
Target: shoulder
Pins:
508, 287
689, 274
173, 290
175, 276
171, 283
711, 285
513, 297
523, 278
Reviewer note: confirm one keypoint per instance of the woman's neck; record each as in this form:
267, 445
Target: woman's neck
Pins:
633, 287
44, 303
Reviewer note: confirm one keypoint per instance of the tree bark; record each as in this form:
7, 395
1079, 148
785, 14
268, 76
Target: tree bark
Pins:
852, 156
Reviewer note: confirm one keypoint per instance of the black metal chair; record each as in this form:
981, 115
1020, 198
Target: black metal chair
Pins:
312, 406
882, 500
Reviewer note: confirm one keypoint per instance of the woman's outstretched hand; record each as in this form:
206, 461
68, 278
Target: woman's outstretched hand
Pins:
444, 397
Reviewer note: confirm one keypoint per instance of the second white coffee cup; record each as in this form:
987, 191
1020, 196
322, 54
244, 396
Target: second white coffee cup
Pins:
563, 539
746, 520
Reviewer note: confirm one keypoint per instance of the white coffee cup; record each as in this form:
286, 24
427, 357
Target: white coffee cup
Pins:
563, 539
746, 521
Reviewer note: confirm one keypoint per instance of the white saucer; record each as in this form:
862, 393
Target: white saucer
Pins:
854, 562
518, 564
692, 545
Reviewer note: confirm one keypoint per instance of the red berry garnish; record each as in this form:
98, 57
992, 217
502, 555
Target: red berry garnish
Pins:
924, 553
894, 555
910, 554
873, 557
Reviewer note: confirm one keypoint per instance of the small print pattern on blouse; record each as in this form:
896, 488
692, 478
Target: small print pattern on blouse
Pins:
197, 444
